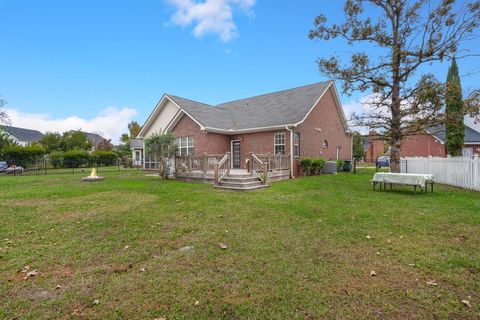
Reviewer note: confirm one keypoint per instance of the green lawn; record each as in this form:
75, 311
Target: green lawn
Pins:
296, 250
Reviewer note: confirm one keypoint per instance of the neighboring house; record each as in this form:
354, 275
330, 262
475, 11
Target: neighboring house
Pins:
22, 136
136, 146
432, 143
302, 122
373, 145
94, 138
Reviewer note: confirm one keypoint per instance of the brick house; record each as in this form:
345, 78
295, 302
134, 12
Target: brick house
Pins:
432, 143
373, 145
310, 116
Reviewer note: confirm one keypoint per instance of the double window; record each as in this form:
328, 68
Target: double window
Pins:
186, 146
296, 144
279, 143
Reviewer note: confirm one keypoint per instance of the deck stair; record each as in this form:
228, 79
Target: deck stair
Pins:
241, 182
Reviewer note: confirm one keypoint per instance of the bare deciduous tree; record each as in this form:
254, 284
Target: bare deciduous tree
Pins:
407, 34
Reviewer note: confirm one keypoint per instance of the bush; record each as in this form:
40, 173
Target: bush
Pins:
306, 165
105, 158
56, 159
76, 158
340, 164
317, 165
22, 156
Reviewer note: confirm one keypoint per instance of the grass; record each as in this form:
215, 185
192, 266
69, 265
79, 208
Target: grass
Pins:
296, 250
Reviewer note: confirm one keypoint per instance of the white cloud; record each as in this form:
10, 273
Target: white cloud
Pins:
358, 106
110, 122
210, 16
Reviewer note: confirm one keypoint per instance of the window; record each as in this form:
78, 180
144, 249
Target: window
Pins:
325, 144
296, 144
186, 146
279, 143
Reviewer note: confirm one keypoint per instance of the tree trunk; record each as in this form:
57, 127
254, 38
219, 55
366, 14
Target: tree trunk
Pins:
395, 125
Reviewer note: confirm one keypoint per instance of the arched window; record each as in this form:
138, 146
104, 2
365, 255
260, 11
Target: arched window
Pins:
325, 144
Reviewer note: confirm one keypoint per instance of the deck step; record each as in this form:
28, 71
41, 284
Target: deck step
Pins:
240, 179
257, 187
240, 184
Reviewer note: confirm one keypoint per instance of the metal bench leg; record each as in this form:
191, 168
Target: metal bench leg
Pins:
415, 188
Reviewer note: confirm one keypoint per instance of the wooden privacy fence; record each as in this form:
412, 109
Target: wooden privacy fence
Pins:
458, 171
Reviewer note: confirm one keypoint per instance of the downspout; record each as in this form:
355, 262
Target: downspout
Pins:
291, 151
143, 151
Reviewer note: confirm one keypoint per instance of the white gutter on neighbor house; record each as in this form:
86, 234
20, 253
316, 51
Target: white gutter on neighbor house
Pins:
291, 151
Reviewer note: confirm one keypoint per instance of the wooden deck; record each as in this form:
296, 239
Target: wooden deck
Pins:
215, 169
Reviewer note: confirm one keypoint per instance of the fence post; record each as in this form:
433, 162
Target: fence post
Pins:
354, 165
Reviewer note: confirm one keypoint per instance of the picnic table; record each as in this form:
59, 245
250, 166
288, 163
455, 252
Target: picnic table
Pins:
412, 179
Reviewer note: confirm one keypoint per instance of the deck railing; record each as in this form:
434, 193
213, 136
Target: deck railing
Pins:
222, 168
202, 163
261, 168
276, 162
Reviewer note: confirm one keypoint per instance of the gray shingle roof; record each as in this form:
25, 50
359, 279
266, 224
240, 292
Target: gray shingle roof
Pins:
22, 134
471, 135
93, 137
272, 109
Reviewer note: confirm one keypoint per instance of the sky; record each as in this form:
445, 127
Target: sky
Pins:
96, 65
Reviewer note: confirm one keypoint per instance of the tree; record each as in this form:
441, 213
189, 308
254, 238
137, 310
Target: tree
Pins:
105, 145
163, 147
5, 140
358, 151
454, 113
75, 140
51, 141
3, 113
406, 36
134, 129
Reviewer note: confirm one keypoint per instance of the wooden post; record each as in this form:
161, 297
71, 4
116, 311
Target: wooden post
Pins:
269, 158
265, 172
204, 163
228, 162
250, 163
215, 175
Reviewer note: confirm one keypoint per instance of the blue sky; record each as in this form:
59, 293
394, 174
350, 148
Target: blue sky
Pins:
95, 65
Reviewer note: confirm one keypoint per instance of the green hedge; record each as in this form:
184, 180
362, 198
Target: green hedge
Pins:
56, 159
105, 158
312, 166
76, 158
21, 156
80, 158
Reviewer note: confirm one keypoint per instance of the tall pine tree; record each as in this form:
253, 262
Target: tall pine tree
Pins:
454, 111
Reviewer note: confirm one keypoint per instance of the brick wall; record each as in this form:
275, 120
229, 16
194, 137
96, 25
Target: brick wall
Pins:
375, 149
422, 145
324, 123
211, 143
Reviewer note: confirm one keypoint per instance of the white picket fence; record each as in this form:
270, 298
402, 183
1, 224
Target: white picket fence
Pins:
459, 171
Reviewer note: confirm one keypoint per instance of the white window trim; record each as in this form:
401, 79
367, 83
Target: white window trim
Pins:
179, 145
275, 142
293, 142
